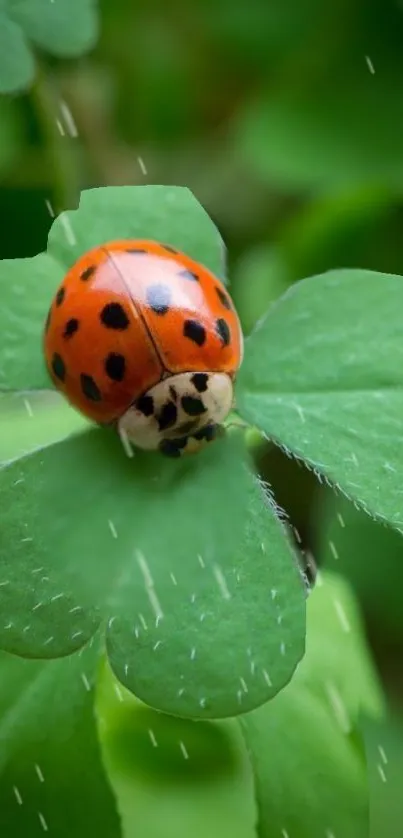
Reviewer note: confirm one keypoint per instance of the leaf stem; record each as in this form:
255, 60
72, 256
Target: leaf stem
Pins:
61, 156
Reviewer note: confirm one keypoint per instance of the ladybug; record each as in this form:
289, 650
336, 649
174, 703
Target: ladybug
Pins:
143, 338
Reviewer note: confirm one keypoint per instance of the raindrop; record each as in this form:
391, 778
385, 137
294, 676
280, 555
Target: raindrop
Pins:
49, 208
333, 550
221, 582
142, 166
267, 678
152, 737
86, 682
17, 795
342, 616
43, 822
370, 65
184, 750
39, 773
68, 119
381, 773
382, 755
143, 622
118, 692
112, 528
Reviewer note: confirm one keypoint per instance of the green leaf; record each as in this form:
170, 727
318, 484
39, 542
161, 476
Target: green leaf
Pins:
322, 376
198, 770
51, 776
187, 559
298, 139
17, 66
31, 420
27, 289
168, 214
384, 751
310, 781
370, 555
310, 773
346, 678
65, 28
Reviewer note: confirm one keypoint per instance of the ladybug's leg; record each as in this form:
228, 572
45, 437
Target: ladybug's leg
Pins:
173, 447
208, 433
192, 443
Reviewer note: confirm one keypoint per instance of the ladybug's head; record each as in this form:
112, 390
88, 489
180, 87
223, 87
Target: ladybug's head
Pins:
183, 406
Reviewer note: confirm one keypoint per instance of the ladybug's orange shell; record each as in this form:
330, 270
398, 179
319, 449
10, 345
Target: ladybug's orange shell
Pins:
128, 314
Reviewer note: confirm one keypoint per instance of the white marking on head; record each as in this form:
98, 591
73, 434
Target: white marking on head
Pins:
178, 407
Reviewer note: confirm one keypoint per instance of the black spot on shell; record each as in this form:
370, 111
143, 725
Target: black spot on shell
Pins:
158, 298
115, 366
200, 381
90, 388
60, 296
58, 367
223, 298
113, 316
189, 275
71, 327
192, 406
167, 416
145, 404
173, 393
136, 250
194, 330
223, 330
169, 248
87, 273
47, 323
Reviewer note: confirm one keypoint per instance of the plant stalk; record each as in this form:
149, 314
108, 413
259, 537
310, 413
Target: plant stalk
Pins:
62, 157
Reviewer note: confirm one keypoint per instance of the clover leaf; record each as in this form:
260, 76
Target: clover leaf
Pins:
370, 555
185, 565
65, 28
218, 630
384, 753
31, 420
200, 771
305, 746
51, 774
322, 376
